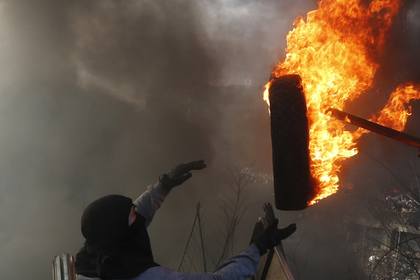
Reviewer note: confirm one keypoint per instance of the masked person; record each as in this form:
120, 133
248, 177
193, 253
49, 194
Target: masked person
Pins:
117, 244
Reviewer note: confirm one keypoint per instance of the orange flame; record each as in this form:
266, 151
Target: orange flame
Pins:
396, 112
334, 53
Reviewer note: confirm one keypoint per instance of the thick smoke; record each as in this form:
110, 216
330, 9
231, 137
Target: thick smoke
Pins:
101, 97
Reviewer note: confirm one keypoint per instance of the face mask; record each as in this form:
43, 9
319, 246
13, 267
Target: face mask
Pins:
137, 234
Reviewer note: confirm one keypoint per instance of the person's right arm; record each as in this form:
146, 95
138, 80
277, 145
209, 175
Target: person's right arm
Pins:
239, 267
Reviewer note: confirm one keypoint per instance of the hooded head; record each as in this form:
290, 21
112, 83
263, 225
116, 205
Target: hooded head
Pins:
113, 249
106, 219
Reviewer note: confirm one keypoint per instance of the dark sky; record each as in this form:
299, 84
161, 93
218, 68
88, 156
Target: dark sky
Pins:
100, 97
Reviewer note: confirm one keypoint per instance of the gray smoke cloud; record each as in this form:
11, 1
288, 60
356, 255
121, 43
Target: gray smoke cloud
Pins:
101, 97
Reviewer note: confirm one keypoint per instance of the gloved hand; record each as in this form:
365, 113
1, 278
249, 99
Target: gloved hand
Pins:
180, 173
272, 236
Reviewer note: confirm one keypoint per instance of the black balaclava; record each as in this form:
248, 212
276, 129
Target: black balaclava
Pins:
113, 249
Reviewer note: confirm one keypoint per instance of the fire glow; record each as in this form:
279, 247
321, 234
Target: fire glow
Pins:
334, 51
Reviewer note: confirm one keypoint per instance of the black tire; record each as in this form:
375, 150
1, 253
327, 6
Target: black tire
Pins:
290, 137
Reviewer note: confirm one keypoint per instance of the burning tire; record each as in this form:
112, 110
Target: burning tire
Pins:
289, 136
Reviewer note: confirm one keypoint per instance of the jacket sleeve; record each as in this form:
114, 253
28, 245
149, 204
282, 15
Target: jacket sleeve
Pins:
150, 201
239, 267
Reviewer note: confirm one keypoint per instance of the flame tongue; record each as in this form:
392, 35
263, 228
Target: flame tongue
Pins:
333, 51
396, 112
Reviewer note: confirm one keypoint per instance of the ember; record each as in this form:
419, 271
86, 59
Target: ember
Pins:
334, 52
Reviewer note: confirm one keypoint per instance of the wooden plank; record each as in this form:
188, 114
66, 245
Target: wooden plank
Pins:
374, 127
279, 253
273, 264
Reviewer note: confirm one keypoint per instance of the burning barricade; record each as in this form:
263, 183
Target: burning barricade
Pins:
331, 60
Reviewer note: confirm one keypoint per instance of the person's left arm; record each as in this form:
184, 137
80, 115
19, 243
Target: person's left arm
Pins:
150, 201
